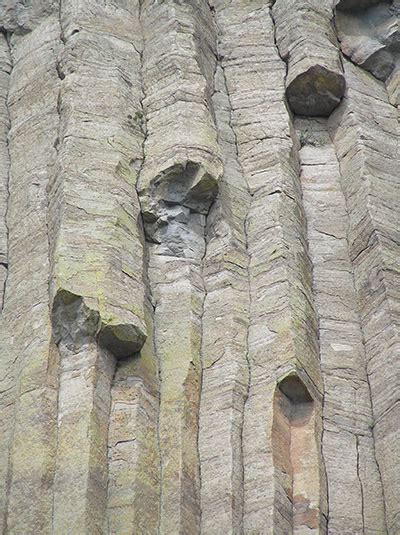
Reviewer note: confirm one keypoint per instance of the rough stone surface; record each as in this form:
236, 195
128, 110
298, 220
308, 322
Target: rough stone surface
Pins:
307, 42
199, 267
371, 38
347, 405
365, 134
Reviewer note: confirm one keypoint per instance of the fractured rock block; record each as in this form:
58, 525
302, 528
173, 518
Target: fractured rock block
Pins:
306, 40
371, 38
95, 233
180, 170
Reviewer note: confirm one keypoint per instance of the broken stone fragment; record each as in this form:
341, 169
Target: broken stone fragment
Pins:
315, 92
307, 42
186, 184
371, 38
76, 322
174, 213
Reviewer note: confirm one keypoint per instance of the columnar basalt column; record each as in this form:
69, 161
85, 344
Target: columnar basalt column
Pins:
225, 324
133, 453
5, 407
365, 134
282, 334
29, 359
347, 412
5, 69
96, 252
306, 39
93, 201
177, 185
86, 371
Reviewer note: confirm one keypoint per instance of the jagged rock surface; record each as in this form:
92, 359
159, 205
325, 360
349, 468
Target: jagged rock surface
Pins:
199, 267
306, 39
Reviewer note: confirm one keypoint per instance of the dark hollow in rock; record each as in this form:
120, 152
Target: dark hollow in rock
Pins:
316, 92
295, 390
348, 5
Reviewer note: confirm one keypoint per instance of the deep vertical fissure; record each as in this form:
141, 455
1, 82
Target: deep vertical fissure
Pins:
4, 258
362, 333
231, 490
4, 255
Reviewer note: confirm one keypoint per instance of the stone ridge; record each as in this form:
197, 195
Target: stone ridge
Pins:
199, 267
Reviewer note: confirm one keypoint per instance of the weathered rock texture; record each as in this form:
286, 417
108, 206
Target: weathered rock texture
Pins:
199, 267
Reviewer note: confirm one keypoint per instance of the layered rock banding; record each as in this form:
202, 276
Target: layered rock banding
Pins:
199, 267
306, 39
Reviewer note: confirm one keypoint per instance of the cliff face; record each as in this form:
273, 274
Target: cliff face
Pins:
199, 267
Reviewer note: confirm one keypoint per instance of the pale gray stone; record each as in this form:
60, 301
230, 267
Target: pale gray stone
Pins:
200, 288
306, 40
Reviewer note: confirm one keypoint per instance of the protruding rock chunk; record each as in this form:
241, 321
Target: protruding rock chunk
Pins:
307, 41
365, 134
94, 210
371, 38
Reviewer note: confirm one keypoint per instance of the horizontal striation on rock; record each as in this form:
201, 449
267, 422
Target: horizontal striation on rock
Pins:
306, 39
28, 357
93, 202
199, 233
365, 133
347, 408
225, 322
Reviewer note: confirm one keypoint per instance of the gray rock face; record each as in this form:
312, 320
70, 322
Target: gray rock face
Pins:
199, 267
358, 5
371, 38
347, 411
306, 40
